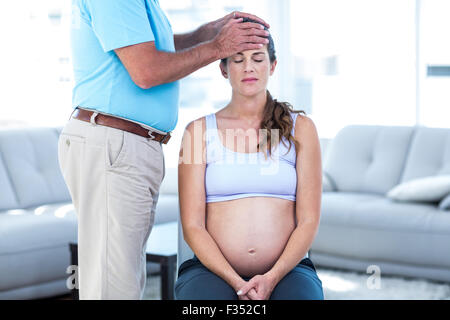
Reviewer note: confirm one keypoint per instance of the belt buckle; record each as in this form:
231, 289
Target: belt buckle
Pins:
151, 136
166, 138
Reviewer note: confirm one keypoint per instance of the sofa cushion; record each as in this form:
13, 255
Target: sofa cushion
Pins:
34, 244
43, 226
368, 159
371, 227
429, 154
428, 189
30, 158
8, 199
336, 207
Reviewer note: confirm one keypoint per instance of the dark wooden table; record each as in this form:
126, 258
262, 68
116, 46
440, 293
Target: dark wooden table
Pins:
162, 247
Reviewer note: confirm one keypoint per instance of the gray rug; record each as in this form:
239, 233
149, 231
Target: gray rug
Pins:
347, 285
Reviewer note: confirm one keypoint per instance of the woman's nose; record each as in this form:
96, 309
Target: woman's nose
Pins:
248, 66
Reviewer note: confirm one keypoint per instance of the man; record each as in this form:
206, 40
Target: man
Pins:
126, 63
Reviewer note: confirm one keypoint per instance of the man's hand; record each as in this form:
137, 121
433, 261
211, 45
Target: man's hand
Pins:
208, 31
211, 29
236, 36
259, 287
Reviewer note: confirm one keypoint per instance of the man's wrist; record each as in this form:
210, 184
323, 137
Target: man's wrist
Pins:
205, 33
213, 50
193, 38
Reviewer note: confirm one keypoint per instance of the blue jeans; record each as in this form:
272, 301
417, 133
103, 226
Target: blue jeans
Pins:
196, 282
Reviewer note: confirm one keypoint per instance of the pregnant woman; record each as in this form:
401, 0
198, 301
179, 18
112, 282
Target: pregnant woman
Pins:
250, 184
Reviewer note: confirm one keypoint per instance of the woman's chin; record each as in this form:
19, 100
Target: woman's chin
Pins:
251, 92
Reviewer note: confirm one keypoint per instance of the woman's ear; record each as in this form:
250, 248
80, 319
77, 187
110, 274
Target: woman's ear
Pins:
272, 67
223, 69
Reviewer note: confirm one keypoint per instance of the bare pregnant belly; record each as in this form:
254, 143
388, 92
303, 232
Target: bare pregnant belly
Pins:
251, 232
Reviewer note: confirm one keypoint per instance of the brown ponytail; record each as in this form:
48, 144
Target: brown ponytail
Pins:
277, 116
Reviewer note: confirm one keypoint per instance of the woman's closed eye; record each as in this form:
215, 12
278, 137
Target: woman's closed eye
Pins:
243, 60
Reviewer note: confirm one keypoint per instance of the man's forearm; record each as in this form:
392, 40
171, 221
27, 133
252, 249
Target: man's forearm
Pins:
176, 65
191, 39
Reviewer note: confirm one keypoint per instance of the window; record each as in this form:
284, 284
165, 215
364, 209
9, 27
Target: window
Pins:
36, 70
354, 61
343, 62
434, 63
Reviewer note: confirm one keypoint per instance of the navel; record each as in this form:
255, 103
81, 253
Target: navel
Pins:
251, 250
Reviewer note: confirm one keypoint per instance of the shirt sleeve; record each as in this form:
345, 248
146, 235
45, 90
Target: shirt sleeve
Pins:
119, 23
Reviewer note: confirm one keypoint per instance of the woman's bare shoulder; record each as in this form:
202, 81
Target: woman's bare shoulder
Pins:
304, 127
194, 129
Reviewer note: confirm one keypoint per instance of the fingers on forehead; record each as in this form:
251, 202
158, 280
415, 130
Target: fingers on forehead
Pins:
247, 25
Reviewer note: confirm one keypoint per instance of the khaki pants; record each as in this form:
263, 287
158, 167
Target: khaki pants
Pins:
113, 177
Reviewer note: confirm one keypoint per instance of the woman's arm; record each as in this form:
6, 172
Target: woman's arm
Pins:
309, 192
191, 186
308, 198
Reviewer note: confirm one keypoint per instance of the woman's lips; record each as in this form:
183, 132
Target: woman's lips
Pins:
250, 80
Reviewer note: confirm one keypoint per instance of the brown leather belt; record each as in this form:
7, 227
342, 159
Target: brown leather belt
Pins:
113, 122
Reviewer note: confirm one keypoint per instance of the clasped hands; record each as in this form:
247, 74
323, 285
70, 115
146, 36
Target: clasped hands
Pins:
259, 287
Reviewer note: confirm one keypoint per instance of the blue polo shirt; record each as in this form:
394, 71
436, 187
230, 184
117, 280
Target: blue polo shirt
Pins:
102, 82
